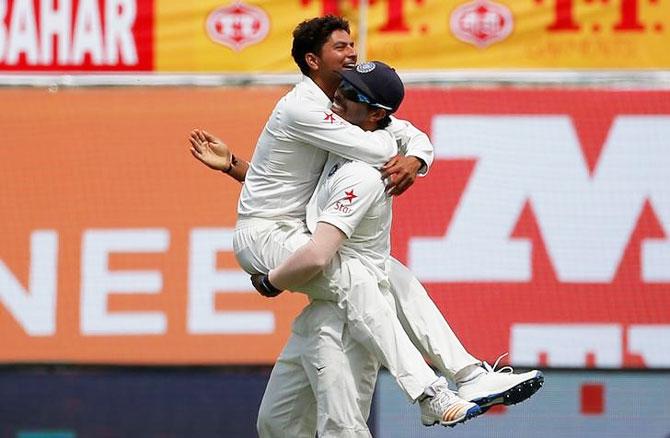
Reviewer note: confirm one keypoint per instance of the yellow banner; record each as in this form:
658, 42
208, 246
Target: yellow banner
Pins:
524, 34
227, 36
255, 36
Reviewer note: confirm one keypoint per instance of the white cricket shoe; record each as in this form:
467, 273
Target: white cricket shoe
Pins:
489, 387
441, 405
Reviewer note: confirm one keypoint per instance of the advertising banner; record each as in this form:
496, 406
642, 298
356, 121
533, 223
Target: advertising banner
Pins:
536, 34
541, 229
116, 244
427, 35
209, 36
545, 220
76, 35
239, 37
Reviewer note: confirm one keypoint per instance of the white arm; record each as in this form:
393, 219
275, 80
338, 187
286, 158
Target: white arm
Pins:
325, 130
308, 260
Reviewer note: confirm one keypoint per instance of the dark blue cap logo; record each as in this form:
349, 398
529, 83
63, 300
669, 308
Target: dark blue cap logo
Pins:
366, 67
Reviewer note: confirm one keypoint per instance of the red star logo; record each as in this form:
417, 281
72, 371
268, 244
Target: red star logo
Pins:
349, 196
329, 118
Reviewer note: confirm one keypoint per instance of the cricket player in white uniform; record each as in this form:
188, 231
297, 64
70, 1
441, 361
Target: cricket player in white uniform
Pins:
283, 187
349, 216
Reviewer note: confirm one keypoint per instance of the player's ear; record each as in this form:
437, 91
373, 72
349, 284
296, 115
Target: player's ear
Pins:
377, 114
312, 60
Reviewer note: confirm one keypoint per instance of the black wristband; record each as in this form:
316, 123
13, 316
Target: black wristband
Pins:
268, 289
233, 162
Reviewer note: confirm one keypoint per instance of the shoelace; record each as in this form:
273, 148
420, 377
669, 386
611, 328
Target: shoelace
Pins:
492, 369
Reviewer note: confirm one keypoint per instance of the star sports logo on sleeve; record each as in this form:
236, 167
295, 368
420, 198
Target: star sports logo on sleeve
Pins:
340, 205
349, 196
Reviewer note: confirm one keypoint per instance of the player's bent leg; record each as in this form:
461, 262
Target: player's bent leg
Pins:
262, 244
425, 324
288, 407
428, 329
373, 323
487, 386
438, 405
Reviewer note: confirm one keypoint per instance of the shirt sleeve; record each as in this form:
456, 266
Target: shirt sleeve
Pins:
326, 130
412, 142
356, 188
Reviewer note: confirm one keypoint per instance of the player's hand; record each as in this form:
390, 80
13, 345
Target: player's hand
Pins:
262, 284
400, 173
210, 150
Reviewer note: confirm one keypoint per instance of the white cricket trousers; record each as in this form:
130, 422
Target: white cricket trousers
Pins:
322, 381
425, 325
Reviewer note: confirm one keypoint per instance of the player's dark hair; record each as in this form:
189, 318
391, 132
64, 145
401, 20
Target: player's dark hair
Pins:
310, 36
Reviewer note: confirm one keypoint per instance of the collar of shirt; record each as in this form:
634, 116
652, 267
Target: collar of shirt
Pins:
309, 87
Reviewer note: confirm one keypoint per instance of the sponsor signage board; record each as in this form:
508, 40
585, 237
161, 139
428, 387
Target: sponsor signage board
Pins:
173, 36
544, 218
76, 35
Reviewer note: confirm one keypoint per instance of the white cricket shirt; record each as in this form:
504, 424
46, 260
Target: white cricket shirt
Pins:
351, 196
293, 148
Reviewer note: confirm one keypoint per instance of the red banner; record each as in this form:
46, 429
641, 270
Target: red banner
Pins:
76, 35
542, 227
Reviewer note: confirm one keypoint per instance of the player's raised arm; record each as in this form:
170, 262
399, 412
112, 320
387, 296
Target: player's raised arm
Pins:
215, 154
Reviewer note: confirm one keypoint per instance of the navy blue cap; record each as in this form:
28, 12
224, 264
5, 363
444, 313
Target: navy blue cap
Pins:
377, 81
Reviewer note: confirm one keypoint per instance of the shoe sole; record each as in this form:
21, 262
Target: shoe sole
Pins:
514, 395
471, 413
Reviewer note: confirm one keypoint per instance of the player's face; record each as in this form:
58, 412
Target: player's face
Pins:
337, 54
353, 112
